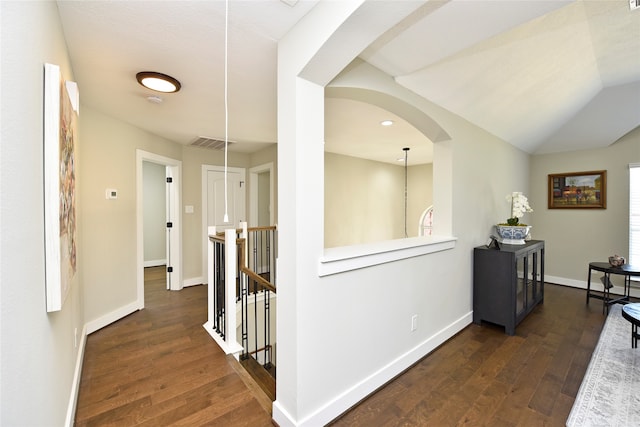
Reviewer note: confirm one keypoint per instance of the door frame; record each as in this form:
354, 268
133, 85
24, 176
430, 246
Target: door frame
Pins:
175, 167
205, 208
253, 192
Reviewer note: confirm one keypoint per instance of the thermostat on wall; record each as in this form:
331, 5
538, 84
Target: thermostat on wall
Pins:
111, 193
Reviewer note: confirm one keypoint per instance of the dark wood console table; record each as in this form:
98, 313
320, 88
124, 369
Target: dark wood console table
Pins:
507, 283
626, 270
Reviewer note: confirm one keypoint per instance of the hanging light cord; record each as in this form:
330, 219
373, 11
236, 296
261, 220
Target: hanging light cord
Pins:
226, 108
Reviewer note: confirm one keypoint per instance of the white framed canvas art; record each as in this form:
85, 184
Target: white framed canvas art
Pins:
60, 111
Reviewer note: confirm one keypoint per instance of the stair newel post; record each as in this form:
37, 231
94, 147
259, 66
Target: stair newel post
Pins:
244, 289
211, 231
231, 273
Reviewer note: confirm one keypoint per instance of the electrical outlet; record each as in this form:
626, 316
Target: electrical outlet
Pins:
414, 322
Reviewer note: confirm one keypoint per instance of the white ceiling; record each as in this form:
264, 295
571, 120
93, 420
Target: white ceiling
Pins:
545, 76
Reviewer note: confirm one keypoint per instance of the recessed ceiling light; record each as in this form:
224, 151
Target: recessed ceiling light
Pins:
158, 81
386, 122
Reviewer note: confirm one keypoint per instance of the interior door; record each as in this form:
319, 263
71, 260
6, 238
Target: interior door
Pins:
216, 198
169, 225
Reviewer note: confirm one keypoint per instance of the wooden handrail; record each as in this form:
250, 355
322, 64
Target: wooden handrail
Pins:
263, 228
256, 277
217, 238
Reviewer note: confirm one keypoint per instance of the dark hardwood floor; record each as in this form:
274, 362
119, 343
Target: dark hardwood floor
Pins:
482, 377
158, 367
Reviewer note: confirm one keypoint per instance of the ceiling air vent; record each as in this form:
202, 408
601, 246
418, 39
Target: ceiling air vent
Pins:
211, 143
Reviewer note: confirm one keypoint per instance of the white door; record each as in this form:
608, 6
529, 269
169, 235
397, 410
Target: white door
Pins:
213, 200
172, 210
235, 203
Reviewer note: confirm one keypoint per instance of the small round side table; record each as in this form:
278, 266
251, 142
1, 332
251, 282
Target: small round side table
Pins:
631, 312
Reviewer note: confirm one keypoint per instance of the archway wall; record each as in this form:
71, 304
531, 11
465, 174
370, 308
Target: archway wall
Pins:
344, 314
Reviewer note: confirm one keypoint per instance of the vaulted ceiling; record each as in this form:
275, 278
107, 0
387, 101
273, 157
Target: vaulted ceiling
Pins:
545, 76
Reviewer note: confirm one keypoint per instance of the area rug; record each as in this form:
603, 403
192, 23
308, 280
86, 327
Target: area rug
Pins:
610, 391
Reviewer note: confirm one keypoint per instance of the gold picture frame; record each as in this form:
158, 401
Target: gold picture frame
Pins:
578, 190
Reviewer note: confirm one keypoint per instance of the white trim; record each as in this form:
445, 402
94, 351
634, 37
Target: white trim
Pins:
346, 258
359, 391
75, 384
113, 316
194, 281
155, 263
253, 192
176, 201
228, 348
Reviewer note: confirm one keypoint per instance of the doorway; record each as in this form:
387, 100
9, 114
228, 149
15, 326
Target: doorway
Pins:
173, 176
261, 180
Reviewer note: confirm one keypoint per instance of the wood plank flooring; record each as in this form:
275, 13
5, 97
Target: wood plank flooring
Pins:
158, 367
482, 377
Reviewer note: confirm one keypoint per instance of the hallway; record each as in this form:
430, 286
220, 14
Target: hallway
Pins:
159, 367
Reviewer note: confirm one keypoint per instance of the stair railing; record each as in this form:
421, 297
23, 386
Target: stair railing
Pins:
222, 275
257, 251
241, 275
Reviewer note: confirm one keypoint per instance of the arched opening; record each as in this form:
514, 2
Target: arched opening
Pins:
365, 171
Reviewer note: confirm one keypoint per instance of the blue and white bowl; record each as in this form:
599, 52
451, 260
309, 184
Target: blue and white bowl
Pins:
513, 234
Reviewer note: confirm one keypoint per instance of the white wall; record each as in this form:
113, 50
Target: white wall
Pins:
575, 237
38, 351
154, 213
331, 321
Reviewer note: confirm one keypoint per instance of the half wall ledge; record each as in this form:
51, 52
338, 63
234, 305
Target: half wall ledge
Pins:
347, 258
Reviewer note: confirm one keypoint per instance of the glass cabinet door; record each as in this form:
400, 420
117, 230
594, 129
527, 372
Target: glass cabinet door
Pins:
521, 287
537, 275
531, 279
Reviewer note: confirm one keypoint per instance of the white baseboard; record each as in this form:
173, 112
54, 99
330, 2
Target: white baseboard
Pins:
193, 281
155, 263
596, 284
228, 348
75, 385
109, 318
359, 391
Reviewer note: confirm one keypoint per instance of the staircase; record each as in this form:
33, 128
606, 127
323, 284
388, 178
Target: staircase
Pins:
242, 299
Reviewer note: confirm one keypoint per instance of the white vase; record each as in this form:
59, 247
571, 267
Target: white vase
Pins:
513, 234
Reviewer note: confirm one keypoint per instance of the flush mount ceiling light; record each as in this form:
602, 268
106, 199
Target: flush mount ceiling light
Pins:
158, 81
386, 122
